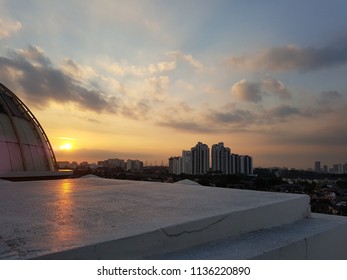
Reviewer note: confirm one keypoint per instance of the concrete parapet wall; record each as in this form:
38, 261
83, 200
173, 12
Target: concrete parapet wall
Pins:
318, 237
329, 241
195, 232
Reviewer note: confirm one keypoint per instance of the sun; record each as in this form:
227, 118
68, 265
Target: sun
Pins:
66, 146
66, 143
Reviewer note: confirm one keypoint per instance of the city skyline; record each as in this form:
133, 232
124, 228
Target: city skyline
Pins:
200, 160
142, 79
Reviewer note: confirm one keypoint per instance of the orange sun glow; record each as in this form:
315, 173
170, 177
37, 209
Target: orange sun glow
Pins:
65, 146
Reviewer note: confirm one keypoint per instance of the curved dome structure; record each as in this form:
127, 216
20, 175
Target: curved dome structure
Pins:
24, 147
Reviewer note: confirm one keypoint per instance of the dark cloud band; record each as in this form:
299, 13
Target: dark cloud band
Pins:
31, 72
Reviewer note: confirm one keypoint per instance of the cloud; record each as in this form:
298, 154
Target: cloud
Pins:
124, 69
230, 117
330, 135
69, 67
157, 87
184, 85
305, 59
320, 111
247, 91
187, 126
291, 57
235, 116
284, 111
182, 117
177, 55
112, 85
130, 16
211, 90
175, 110
95, 121
239, 119
327, 97
139, 111
275, 87
162, 66
7, 28
254, 91
94, 155
30, 72
114, 68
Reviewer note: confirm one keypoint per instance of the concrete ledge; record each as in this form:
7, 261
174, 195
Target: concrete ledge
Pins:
327, 240
188, 234
319, 237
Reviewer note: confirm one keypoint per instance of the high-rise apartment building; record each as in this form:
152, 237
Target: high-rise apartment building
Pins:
186, 162
178, 165
246, 165
221, 159
134, 165
235, 164
317, 166
171, 165
175, 165
200, 159
338, 168
113, 163
116, 163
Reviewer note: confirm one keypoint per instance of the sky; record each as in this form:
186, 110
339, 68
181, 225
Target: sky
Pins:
147, 79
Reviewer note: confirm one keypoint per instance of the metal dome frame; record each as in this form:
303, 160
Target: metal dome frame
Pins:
27, 114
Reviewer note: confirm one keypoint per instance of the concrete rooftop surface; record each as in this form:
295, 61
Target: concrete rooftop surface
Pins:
95, 218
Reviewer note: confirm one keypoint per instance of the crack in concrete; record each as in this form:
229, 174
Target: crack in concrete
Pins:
306, 249
195, 230
8, 250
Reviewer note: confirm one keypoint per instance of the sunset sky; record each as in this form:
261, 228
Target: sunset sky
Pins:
146, 79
